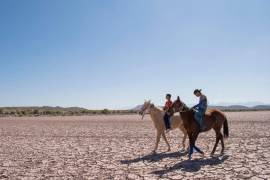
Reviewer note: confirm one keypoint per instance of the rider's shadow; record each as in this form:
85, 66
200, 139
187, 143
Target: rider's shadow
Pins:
192, 165
154, 157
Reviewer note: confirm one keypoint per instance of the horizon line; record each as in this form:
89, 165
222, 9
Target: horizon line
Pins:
132, 107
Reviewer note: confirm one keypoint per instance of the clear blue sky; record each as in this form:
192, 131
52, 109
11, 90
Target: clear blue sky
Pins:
114, 54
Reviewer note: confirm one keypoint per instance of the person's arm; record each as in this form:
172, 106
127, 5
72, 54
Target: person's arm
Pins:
164, 108
197, 105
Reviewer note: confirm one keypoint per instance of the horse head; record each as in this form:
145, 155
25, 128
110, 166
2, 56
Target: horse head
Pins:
145, 108
178, 105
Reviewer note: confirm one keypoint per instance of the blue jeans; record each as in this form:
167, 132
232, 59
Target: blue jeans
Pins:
199, 113
167, 121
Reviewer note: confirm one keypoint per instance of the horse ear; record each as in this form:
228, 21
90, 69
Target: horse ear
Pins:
178, 98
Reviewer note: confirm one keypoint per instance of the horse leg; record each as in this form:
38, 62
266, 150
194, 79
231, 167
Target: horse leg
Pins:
217, 140
184, 138
198, 150
157, 141
190, 146
222, 143
195, 147
166, 141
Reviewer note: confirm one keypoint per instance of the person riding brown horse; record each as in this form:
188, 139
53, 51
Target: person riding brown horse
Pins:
200, 108
213, 118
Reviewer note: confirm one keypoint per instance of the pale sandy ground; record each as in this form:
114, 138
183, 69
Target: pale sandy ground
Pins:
118, 147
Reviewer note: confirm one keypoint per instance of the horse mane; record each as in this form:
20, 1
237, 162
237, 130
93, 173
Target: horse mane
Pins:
185, 107
157, 108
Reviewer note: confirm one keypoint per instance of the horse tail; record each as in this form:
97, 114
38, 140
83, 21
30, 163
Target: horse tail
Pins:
225, 128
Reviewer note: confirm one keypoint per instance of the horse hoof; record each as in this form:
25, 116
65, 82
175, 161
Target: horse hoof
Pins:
222, 151
189, 157
182, 150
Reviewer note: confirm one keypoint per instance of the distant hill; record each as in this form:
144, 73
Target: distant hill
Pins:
137, 108
232, 107
55, 111
247, 104
46, 108
237, 107
262, 107
241, 107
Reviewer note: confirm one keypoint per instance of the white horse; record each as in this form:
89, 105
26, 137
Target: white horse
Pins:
157, 117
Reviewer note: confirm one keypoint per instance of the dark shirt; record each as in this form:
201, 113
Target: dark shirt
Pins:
202, 103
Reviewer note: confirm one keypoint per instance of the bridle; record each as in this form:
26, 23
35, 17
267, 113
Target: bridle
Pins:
144, 109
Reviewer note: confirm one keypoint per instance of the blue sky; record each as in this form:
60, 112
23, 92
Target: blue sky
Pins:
114, 54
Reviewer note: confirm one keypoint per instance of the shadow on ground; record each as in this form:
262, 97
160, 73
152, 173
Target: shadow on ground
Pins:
193, 165
154, 157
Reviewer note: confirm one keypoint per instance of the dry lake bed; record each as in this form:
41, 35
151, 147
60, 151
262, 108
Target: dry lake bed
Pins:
119, 147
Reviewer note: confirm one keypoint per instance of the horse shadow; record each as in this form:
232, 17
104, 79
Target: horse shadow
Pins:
154, 157
193, 165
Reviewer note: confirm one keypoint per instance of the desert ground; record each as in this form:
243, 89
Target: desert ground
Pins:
119, 147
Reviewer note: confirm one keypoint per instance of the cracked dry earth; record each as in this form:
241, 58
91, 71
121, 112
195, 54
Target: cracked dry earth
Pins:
118, 147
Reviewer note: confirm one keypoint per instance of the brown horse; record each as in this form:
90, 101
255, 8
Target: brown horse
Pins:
213, 119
